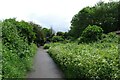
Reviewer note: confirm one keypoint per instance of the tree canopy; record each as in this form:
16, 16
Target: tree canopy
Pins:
102, 14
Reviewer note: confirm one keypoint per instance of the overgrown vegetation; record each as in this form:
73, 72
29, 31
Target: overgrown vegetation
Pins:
0, 58
49, 45
18, 48
91, 34
0, 50
98, 60
93, 50
57, 39
86, 51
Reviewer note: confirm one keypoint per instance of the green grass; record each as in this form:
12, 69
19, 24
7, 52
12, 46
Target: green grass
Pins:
91, 61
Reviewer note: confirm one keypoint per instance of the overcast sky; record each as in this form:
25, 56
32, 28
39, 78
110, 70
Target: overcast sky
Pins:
48, 13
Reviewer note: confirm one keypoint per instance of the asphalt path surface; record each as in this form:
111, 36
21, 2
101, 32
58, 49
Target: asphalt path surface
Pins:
44, 66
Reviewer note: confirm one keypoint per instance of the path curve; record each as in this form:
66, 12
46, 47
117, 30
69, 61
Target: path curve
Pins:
44, 66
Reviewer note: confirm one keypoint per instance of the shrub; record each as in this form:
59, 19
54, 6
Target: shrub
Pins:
17, 54
46, 46
49, 45
91, 34
57, 39
110, 37
24, 29
0, 58
93, 61
118, 39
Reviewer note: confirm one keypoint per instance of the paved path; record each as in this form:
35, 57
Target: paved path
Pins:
44, 66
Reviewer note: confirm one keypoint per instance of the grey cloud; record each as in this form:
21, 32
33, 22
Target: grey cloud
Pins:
56, 22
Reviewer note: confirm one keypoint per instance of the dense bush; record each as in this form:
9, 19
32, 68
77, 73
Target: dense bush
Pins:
39, 35
0, 58
88, 61
24, 29
17, 54
110, 37
29, 31
91, 33
118, 39
13, 65
49, 45
60, 33
46, 46
57, 39
102, 14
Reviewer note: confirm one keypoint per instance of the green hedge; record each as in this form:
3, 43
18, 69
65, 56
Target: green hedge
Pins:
88, 61
17, 54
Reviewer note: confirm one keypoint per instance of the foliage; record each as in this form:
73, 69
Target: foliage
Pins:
46, 46
0, 55
28, 31
49, 45
17, 50
13, 65
87, 61
91, 33
64, 35
24, 29
110, 37
40, 38
118, 39
48, 34
102, 14
57, 39
60, 33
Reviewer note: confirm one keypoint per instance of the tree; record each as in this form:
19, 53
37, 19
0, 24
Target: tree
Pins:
24, 29
102, 14
60, 33
47, 34
91, 34
37, 29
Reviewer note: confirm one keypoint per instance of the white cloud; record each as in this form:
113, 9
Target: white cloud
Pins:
57, 13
